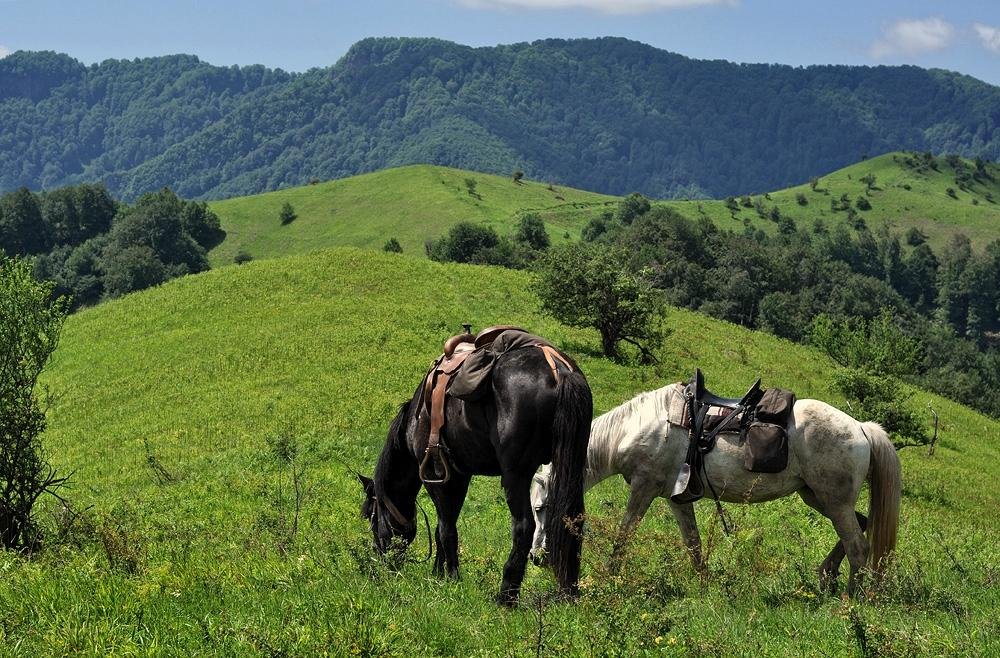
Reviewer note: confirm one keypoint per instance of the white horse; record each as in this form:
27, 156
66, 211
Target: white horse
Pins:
830, 455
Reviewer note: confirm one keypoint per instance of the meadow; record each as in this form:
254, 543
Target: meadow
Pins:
210, 425
421, 202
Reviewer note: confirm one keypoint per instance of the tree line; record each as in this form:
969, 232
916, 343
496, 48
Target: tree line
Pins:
94, 247
874, 300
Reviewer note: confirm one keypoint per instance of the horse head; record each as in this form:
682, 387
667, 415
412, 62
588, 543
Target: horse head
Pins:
539, 507
391, 530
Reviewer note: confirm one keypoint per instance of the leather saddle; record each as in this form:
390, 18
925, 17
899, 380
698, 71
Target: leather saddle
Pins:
701, 405
434, 467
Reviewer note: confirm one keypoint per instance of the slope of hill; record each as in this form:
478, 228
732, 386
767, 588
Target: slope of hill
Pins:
602, 114
412, 204
176, 408
905, 192
419, 202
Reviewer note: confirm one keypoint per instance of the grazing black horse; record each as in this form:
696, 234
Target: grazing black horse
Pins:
525, 420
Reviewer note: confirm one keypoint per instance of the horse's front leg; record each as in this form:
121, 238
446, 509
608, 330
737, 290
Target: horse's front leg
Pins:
688, 524
516, 488
448, 500
640, 497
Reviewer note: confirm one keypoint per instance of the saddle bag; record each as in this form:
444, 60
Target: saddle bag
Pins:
766, 447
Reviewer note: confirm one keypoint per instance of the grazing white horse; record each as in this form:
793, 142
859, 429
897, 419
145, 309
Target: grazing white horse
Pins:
830, 455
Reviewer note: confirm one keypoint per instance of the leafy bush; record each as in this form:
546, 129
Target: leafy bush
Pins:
882, 399
392, 245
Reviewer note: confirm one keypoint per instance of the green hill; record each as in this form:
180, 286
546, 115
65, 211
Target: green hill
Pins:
419, 202
905, 193
412, 204
170, 407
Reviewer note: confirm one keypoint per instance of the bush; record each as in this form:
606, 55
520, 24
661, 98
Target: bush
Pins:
392, 245
882, 400
287, 214
801, 199
242, 257
30, 324
531, 233
863, 203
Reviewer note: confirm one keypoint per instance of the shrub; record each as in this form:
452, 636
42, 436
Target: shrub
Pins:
30, 324
801, 199
242, 257
287, 214
392, 245
863, 203
881, 399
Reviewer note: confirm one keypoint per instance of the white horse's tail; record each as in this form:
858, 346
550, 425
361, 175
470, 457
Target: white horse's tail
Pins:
886, 487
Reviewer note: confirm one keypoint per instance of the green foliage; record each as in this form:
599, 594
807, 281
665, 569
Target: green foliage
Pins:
531, 233
882, 399
30, 324
878, 346
801, 199
242, 257
467, 242
287, 214
589, 286
392, 245
633, 206
863, 203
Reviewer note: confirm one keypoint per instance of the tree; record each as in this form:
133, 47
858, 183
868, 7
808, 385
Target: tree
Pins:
633, 206
531, 233
287, 215
587, 285
518, 175
30, 323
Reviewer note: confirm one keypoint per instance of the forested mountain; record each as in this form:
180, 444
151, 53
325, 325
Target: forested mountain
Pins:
608, 115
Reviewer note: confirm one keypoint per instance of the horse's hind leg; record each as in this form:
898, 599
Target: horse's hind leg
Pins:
516, 487
689, 532
829, 570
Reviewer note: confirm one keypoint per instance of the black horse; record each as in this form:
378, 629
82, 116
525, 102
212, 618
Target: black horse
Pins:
526, 419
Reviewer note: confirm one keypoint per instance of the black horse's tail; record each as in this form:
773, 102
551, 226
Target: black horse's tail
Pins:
564, 521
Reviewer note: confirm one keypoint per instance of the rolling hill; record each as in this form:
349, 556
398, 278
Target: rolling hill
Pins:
186, 411
606, 114
422, 202
412, 204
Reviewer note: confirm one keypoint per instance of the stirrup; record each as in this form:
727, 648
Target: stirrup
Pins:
436, 459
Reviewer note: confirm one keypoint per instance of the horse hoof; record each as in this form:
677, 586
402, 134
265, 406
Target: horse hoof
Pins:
506, 599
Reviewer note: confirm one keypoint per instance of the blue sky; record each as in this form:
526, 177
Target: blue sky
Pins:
296, 35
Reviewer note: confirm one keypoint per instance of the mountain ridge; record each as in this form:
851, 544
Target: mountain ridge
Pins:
607, 114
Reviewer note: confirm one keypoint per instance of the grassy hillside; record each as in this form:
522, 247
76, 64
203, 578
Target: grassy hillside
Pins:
419, 202
411, 204
903, 196
171, 406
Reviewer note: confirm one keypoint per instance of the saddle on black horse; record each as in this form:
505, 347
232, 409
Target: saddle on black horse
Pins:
760, 417
463, 371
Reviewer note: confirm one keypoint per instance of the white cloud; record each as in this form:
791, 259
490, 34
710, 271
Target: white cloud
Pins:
4, 51
912, 36
604, 6
989, 35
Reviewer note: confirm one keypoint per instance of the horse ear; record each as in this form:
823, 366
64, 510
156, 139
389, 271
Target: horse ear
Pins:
367, 483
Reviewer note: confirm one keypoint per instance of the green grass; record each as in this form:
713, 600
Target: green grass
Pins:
422, 202
926, 205
411, 203
202, 374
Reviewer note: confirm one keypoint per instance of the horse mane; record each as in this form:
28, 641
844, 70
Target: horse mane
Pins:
395, 441
608, 430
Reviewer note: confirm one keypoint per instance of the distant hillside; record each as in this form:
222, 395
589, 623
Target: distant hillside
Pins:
419, 202
411, 204
608, 115
170, 407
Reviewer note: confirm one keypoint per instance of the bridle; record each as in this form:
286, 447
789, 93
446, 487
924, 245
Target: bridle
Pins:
407, 524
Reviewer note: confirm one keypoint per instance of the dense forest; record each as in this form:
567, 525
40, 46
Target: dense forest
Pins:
608, 115
94, 247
